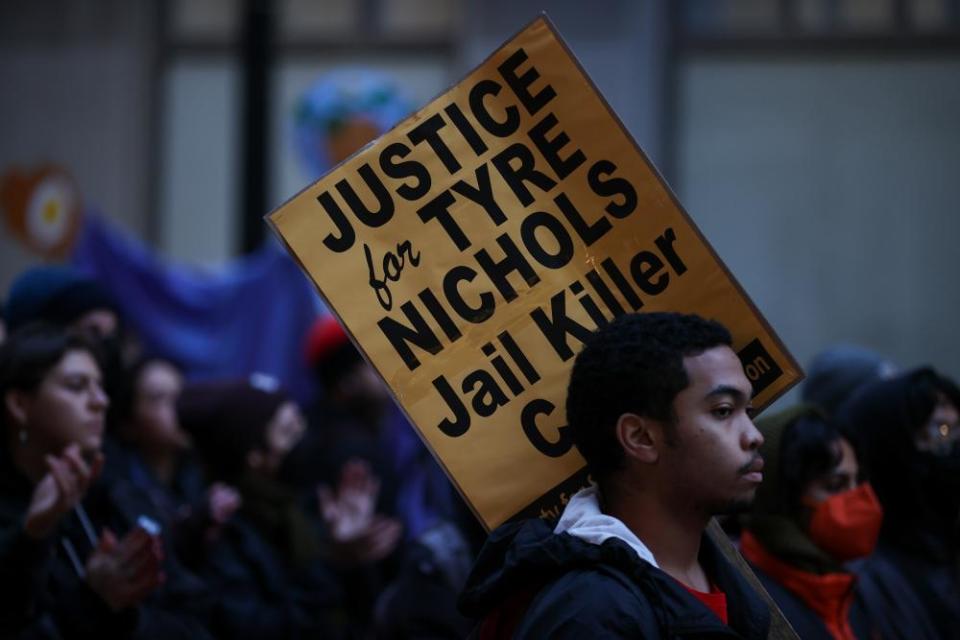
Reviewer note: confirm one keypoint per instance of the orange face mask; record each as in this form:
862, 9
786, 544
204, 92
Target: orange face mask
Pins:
846, 525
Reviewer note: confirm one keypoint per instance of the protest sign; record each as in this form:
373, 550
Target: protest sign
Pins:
472, 248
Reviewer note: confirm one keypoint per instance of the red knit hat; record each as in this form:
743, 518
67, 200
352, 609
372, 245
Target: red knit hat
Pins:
325, 336
329, 350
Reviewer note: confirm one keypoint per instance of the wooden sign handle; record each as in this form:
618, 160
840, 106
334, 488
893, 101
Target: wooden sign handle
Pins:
780, 628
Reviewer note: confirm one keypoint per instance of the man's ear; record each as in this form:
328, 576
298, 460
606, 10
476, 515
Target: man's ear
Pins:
639, 437
15, 401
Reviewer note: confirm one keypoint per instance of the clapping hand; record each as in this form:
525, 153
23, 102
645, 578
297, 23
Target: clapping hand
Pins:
60, 489
222, 501
124, 573
358, 534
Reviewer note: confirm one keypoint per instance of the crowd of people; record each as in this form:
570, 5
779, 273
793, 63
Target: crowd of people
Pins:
137, 504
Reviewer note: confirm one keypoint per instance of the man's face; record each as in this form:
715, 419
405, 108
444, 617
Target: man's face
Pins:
714, 465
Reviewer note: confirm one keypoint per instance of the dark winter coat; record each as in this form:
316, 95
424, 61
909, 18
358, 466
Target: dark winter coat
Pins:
911, 584
42, 594
261, 596
544, 585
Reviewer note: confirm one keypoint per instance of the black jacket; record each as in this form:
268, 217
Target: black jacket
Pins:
581, 590
911, 584
260, 596
42, 594
907, 596
806, 623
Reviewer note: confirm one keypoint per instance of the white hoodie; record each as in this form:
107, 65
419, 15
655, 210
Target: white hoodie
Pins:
583, 519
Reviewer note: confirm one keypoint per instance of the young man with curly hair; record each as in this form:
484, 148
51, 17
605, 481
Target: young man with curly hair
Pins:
659, 407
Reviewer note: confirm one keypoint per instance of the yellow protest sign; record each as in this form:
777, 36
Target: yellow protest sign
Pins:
471, 249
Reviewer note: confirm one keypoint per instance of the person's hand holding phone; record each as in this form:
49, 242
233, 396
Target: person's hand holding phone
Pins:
123, 573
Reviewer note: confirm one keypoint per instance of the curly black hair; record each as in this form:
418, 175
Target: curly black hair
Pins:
632, 365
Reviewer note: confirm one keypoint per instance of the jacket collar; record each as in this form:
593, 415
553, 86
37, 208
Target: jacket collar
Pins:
583, 519
528, 555
829, 595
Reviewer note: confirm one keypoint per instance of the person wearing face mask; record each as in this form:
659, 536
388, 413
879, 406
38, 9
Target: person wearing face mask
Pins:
64, 574
907, 430
812, 514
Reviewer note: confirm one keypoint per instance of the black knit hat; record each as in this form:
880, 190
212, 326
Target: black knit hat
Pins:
228, 419
57, 294
837, 372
